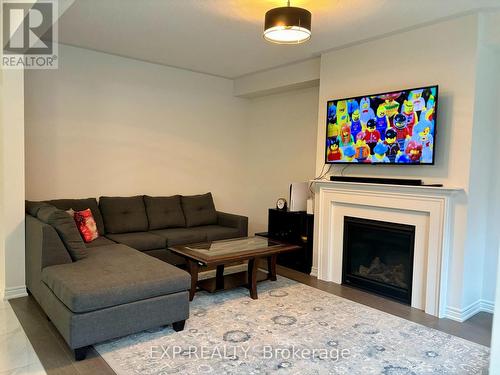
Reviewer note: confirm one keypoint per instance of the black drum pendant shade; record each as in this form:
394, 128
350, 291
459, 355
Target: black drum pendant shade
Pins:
287, 25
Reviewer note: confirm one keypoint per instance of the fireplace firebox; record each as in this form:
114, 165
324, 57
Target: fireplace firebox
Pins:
378, 257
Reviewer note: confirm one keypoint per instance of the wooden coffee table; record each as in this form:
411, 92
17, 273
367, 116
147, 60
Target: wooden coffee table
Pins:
218, 253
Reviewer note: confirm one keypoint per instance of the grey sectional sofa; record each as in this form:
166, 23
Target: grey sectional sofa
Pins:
125, 281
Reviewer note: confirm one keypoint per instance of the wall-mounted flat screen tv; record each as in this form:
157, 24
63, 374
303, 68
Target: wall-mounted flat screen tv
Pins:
397, 127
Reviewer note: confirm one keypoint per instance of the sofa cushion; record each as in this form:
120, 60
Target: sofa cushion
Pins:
32, 207
199, 210
140, 240
219, 232
44, 247
164, 212
124, 214
113, 275
182, 236
65, 226
80, 205
100, 241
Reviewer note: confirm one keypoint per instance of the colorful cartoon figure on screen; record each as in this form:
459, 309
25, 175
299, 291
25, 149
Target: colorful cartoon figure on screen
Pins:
392, 144
355, 121
431, 107
379, 155
402, 132
334, 151
411, 116
382, 121
346, 139
412, 154
332, 112
362, 150
333, 130
417, 99
423, 134
349, 155
366, 112
372, 135
431, 102
352, 105
390, 104
342, 114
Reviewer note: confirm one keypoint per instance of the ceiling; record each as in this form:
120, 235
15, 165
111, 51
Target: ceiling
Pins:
224, 37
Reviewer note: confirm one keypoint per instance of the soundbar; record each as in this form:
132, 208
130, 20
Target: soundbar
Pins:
378, 180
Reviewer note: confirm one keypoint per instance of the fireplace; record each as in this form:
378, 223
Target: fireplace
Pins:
378, 257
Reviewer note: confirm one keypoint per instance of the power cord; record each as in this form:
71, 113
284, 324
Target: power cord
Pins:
320, 177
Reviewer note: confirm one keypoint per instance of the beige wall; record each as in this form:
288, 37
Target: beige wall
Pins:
106, 125
282, 138
12, 177
12, 282
2, 220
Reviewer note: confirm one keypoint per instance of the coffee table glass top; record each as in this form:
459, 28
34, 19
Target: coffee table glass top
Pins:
234, 248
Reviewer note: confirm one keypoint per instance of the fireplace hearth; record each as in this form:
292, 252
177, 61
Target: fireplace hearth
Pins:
378, 257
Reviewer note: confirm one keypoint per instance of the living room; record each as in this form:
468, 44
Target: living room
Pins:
147, 108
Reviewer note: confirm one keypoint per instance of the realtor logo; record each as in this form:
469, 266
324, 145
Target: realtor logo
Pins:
29, 35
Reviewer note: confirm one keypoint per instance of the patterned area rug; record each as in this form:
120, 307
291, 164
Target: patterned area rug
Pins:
292, 329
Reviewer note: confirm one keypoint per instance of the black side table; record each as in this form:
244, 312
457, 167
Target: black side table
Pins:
295, 228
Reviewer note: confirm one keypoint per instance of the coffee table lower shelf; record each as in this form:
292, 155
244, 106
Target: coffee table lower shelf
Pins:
252, 275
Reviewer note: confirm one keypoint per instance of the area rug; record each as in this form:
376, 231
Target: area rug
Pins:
292, 329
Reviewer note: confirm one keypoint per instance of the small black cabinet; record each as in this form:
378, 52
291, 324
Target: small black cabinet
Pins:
295, 228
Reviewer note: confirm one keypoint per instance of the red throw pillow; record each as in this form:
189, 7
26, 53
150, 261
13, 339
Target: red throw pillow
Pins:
86, 225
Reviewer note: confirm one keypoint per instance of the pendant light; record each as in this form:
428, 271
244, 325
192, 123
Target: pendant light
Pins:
287, 25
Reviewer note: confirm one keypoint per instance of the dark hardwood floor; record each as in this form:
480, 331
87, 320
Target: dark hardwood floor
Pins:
57, 359
476, 329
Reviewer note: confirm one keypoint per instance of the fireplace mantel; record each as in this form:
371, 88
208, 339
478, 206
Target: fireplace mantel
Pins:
423, 189
429, 208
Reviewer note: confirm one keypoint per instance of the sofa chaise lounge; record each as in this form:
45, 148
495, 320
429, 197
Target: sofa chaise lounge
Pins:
122, 282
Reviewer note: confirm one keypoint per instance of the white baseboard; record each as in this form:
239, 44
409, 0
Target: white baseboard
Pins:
461, 315
314, 271
487, 306
15, 292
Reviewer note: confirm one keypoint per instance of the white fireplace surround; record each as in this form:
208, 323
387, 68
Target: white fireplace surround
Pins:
429, 209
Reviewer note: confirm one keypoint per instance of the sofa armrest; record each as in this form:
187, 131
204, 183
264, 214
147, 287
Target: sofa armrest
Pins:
233, 221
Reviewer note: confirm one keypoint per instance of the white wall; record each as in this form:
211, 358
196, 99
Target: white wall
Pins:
488, 123
282, 139
495, 336
106, 125
446, 54
385, 64
282, 79
483, 214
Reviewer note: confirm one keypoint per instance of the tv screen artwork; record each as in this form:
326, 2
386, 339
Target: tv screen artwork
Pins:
390, 128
